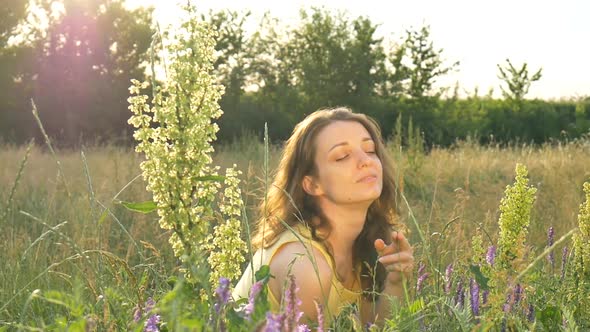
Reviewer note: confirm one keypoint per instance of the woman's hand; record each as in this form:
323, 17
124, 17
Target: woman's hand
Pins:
397, 257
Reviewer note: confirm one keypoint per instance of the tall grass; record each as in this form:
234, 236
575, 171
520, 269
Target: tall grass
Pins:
75, 239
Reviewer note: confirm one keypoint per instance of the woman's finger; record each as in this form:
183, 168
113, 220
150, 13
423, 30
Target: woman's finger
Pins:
399, 267
402, 241
383, 249
400, 257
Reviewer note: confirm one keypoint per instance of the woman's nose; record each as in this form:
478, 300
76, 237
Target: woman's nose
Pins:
365, 159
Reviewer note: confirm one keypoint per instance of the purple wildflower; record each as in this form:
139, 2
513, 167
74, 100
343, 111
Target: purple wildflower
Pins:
147, 309
459, 297
149, 304
449, 281
303, 328
531, 313
249, 309
273, 322
420, 281
507, 307
563, 261
222, 294
484, 296
421, 268
550, 238
320, 310
292, 313
517, 294
474, 290
491, 255
137, 314
151, 325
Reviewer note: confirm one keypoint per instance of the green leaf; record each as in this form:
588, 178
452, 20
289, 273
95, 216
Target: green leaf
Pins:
192, 323
104, 214
215, 178
78, 326
143, 207
263, 273
481, 279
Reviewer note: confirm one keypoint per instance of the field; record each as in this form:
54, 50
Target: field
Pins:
71, 253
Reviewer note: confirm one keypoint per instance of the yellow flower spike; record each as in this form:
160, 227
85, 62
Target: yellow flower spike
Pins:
514, 219
175, 131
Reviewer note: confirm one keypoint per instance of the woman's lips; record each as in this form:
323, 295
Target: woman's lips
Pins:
368, 178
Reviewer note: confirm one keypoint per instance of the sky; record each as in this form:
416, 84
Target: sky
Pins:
548, 34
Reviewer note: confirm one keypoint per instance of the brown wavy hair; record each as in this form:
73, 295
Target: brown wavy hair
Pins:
288, 202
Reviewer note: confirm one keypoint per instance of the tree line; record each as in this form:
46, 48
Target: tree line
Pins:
75, 59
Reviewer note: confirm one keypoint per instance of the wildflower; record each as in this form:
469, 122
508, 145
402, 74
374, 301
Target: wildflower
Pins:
484, 296
292, 313
174, 132
153, 320
474, 292
320, 310
507, 307
421, 268
517, 294
274, 322
149, 304
581, 240
531, 313
514, 219
420, 281
448, 276
222, 294
563, 261
137, 314
151, 325
225, 244
550, 238
254, 291
460, 296
303, 328
491, 255
477, 247
422, 275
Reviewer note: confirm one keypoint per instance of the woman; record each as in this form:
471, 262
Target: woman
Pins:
335, 190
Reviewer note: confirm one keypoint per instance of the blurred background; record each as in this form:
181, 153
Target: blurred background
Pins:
498, 72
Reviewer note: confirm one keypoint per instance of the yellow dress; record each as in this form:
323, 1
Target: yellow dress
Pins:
338, 296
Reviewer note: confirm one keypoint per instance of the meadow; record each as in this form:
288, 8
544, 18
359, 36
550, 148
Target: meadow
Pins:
111, 238
72, 253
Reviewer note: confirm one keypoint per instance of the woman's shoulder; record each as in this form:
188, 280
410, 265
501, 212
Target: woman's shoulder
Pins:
299, 254
307, 264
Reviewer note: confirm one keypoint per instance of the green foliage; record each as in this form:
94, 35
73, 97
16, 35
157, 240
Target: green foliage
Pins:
60, 277
142, 207
515, 207
92, 48
425, 63
277, 75
175, 133
518, 82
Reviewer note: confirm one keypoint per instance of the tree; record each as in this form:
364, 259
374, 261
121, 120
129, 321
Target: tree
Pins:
367, 56
13, 59
420, 64
84, 65
233, 52
12, 13
517, 80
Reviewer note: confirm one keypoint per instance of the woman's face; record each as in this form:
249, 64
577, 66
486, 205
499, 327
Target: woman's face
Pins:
348, 168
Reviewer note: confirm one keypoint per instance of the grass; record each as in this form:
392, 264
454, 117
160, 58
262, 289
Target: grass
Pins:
63, 229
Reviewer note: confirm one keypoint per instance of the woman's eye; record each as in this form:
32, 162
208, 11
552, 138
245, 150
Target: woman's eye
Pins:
342, 158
